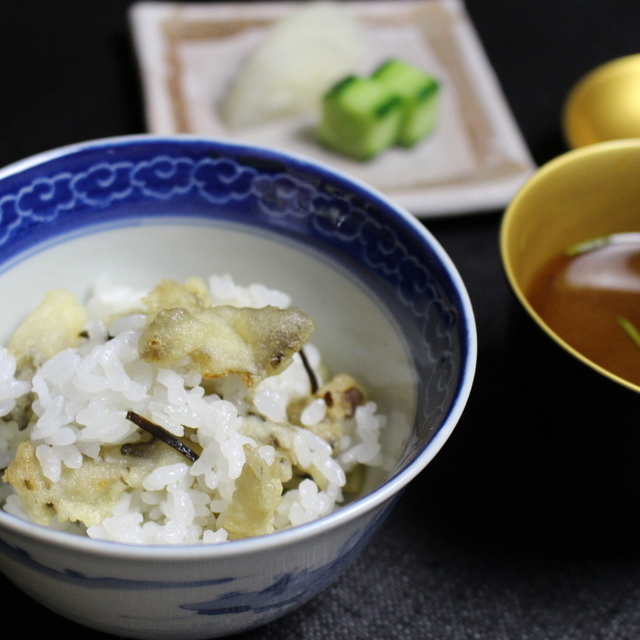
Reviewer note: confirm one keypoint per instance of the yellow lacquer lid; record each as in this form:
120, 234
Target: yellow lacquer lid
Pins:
604, 104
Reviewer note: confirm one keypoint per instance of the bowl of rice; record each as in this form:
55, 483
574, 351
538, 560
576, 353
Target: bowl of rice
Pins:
220, 366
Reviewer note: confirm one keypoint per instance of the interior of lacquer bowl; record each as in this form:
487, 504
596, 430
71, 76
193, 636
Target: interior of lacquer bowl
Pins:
166, 209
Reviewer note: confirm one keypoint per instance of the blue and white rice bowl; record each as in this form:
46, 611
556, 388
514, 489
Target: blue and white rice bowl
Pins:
389, 308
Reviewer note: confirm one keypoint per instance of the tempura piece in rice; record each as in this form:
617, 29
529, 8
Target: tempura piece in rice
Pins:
89, 493
279, 436
341, 396
257, 495
254, 343
193, 296
54, 325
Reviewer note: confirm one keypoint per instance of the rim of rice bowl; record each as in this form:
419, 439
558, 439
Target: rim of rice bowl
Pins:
387, 489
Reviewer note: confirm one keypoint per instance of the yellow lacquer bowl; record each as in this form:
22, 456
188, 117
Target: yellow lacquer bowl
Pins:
585, 193
604, 104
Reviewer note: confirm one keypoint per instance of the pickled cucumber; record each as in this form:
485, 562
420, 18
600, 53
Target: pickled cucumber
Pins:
360, 117
396, 105
419, 92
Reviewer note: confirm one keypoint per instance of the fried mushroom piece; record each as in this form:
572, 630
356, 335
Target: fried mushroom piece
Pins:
54, 325
193, 296
257, 495
254, 343
342, 395
278, 436
87, 494
286, 466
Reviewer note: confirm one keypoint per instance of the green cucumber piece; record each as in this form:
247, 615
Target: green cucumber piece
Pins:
420, 96
360, 117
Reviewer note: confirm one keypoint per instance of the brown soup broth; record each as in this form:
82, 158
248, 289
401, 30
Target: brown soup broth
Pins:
580, 298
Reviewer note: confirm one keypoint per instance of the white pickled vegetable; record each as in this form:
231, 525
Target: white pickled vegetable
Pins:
302, 55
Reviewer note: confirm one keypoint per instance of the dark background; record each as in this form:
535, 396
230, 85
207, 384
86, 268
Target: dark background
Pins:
526, 524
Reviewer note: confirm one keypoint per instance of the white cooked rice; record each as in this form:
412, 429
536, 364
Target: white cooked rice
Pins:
82, 395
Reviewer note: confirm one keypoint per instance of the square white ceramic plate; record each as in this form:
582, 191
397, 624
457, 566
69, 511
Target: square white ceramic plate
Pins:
474, 161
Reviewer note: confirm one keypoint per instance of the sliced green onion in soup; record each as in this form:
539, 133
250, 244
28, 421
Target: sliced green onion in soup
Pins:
629, 328
601, 241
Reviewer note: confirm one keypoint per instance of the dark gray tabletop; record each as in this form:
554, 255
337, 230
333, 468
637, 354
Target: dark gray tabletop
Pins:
527, 524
